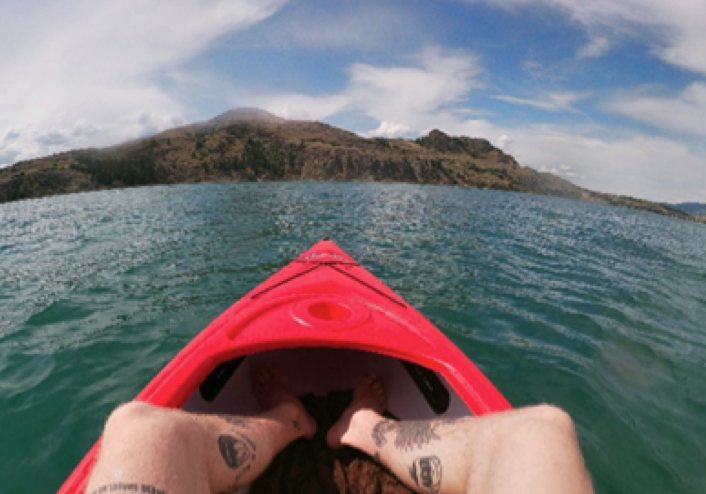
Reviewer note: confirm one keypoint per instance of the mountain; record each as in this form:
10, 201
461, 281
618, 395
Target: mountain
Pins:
693, 208
251, 144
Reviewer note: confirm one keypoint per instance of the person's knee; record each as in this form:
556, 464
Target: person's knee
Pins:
137, 420
128, 415
550, 415
140, 439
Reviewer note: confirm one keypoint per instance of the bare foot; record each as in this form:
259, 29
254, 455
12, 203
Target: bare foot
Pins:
368, 396
271, 392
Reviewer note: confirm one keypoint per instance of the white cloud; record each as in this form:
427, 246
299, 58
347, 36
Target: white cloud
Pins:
390, 129
76, 73
38, 140
552, 102
603, 158
304, 107
684, 112
439, 79
504, 142
609, 159
431, 85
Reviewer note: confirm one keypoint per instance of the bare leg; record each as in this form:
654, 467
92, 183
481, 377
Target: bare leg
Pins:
148, 449
531, 450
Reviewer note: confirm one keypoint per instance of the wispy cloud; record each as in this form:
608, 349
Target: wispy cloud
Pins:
75, 74
684, 112
675, 29
596, 47
363, 25
551, 102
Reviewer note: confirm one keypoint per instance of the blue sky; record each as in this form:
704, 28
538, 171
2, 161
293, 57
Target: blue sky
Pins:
610, 94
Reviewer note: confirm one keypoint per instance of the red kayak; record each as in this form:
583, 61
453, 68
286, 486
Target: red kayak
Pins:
326, 321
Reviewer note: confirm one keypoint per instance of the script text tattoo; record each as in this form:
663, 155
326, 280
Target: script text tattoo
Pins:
127, 487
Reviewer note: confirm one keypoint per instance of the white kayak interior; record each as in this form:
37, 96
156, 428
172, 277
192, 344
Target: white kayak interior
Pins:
413, 393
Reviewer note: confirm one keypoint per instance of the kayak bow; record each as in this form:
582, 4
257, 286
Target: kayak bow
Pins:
326, 321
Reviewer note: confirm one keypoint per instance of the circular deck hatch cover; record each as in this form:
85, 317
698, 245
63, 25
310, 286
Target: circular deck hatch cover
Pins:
330, 313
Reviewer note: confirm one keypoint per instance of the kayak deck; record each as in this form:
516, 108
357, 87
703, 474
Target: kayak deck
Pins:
323, 299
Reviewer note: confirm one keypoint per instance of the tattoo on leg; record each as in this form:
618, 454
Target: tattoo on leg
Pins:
236, 451
411, 434
426, 473
379, 431
236, 421
127, 487
451, 421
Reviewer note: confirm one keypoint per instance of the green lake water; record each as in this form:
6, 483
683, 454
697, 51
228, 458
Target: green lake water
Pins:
599, 310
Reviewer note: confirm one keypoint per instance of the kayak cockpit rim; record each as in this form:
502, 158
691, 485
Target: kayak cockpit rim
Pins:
414, 391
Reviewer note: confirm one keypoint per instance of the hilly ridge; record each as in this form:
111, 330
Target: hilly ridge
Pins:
250, 144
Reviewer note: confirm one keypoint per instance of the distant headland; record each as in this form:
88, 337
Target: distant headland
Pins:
250, 144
